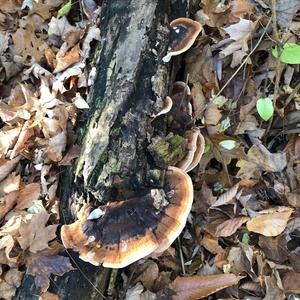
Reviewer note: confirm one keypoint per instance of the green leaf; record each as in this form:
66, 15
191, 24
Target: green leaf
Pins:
245, 238
228, 144
207, 148
36, 207
290, 53
265, 108
65, 9
220, 101
225, 124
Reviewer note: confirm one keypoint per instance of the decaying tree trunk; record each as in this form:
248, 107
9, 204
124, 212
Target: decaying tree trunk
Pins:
130, 85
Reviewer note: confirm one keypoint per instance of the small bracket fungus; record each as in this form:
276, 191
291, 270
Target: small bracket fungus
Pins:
133, 228
183, 34
195, 149
168, 103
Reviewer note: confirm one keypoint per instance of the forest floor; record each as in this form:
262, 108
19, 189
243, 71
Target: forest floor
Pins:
242, 238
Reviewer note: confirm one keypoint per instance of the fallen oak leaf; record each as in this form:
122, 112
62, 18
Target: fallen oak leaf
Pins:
7, 166
27, 195
41, 267
34, 234
25, 134
66, 60
270, 222
7, 203
198, 287
11, 281
8, 137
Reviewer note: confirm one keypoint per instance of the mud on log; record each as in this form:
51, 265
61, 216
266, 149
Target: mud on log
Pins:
129, 88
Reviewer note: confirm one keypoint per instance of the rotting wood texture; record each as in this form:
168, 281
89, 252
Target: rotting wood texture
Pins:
129, 88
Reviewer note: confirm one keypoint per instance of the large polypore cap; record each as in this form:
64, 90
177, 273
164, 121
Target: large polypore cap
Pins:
122, 232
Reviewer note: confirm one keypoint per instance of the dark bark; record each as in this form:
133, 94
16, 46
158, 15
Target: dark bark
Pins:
129, 88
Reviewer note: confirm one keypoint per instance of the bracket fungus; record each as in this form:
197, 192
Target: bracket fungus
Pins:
195, 149
184, 32
122, 232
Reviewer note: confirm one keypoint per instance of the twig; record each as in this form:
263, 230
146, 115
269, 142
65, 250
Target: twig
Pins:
181, 256
112, 281
245, 60
292, 95
86, 278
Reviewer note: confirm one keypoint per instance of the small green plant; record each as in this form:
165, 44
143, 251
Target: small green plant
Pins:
265, 108
228, 144
290, 53
65, 9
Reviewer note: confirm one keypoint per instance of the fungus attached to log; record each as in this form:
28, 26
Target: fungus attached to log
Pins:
126, 231
183, 34
195, 149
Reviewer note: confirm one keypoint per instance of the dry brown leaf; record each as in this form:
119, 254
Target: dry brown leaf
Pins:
27, 44
49, 296
147, 274
212, 114
34, 234
10, 184
229, 227
291, 282
7, 166
9, 6
57, 145
211, 244
41, 267
240, 260
7, 243
27, 195
8, 137
198, 100
259, 159
240, 7
7, 203
25, 134
198, 287
285, 11
227, 197
73, 153
271, 222
66, 60
11, 281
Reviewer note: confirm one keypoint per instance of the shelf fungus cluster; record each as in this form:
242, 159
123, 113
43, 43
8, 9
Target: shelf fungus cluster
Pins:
121, 232
134, 225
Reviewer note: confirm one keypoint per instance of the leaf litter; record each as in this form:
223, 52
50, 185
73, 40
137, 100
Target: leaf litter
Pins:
242, 237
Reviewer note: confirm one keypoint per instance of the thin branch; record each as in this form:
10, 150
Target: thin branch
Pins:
245, 60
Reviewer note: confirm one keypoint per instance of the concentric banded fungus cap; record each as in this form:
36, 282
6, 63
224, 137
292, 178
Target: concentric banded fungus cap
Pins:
184, 32
195, 149
132, 229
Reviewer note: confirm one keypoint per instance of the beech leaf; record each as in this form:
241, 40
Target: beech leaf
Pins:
271, 222
198, 287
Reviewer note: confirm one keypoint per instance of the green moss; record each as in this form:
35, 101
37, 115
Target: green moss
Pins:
98, 102
80, 135
104, 157
115, 132
168, 150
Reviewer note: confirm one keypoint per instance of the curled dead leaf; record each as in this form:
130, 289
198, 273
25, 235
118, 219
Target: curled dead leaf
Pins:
271, 222
198, 287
